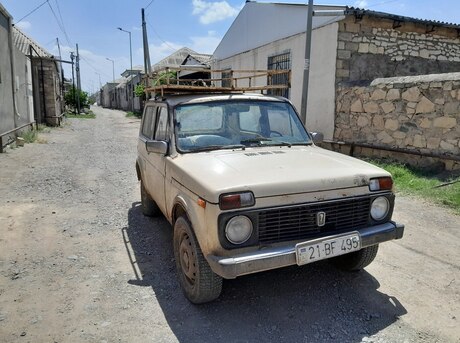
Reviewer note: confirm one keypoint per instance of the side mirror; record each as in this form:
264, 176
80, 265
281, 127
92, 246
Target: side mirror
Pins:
157, 147
318, 137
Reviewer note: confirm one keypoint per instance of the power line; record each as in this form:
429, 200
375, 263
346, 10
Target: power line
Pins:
148, 4
36, 8
60, 24
62, 20
166, 43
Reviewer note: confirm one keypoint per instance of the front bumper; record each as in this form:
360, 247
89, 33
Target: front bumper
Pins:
272, 258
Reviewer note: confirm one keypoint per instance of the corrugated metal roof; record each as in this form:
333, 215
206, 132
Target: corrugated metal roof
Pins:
360, 11
202, 58
22, 42
175, 59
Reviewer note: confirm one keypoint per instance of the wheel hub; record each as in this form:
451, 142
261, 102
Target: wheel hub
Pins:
187, 259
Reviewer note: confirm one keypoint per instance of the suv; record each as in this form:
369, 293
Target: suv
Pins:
247, 190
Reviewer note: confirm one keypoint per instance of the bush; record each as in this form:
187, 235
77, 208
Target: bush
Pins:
70, 98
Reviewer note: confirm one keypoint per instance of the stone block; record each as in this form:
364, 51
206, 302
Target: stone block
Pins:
433, 143
371, 107
378, 122
412, 94
424, 106
363, 121
451, 108
447, 86
425, 123
399, 135
445, 122
385, 138
424, 53
393, 94
387, 107
446, 146
345, 36
419, 141
341, 45
373, 49
342, 73
378, 94
440, 101
351, 46
357, 106
343, 54
391, 124
363, 48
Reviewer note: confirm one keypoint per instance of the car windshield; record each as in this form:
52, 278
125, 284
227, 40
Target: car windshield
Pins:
237, 124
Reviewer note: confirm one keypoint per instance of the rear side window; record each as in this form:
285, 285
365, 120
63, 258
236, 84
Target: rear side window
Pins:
161, 132
149, 122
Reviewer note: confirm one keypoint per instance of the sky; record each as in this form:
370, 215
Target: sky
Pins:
171, 24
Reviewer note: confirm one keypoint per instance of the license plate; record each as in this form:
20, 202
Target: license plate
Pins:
327, 247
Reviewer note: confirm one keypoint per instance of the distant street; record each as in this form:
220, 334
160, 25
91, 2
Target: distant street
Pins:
80, 263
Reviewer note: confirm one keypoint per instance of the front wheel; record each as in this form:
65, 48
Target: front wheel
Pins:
357, 260
199, 283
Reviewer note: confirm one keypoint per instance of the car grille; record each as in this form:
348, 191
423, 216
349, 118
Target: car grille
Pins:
298, 222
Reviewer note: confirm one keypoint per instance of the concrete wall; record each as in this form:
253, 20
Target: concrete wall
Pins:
23, 88
47, 99
320, 112
417, 113
375, 47
6, 81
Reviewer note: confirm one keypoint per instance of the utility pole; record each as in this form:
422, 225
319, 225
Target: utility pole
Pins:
147, 66
306, 68
77, 69
72, 56
62, 76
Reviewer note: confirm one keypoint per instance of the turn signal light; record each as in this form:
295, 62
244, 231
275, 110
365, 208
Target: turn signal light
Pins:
381, 184
236, 200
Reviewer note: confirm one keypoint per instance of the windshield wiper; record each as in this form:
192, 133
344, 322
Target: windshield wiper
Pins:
256, 140
219, 147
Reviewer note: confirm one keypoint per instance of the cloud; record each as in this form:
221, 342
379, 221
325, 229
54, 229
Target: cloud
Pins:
211, 12
361, 3
23, 25
158, 52
205, 44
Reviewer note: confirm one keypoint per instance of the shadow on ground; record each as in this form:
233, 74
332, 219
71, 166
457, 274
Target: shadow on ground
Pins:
308, 304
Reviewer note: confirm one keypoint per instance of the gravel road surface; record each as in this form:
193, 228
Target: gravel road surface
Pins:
80, 263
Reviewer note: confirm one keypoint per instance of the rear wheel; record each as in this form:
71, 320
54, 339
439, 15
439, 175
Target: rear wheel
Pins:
149, 207
199, 283
357, 260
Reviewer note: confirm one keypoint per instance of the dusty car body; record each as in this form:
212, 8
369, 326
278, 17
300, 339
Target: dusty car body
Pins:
247, 190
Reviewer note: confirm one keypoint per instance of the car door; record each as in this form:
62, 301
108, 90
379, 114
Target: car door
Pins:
156, 162
145, 134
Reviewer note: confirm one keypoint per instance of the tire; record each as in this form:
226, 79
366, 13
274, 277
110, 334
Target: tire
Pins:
357, 260
149, 207
199, 283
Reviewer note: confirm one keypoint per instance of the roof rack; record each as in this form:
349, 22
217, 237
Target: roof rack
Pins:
165, 81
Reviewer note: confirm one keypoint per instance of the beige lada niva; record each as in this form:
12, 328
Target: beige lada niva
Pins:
247, 190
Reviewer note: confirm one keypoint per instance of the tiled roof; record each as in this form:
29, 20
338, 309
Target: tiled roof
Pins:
22, 42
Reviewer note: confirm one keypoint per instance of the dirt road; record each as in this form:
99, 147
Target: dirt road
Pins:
79, 262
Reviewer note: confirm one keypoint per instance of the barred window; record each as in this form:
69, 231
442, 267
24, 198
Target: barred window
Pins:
280, 62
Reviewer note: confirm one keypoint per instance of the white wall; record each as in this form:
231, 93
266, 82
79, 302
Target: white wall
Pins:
321, 100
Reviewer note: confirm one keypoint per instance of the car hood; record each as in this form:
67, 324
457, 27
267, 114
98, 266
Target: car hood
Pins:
270, 171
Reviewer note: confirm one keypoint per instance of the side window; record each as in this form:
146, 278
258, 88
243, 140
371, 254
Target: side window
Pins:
161, 132
149, 122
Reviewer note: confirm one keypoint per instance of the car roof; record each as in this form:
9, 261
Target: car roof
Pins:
174, 100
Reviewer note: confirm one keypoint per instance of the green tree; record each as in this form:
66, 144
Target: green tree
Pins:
70, 98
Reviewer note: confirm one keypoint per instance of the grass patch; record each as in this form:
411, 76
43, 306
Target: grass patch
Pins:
89, 115
133, 114
437, 187
29, 136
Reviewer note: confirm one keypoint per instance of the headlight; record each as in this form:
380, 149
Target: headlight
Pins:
379, 208
238, 229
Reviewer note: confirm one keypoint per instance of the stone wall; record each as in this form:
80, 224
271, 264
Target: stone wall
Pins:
417, 113
372, 47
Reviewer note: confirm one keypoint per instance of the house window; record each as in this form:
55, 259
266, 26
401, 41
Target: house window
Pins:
277, 62
226, 78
